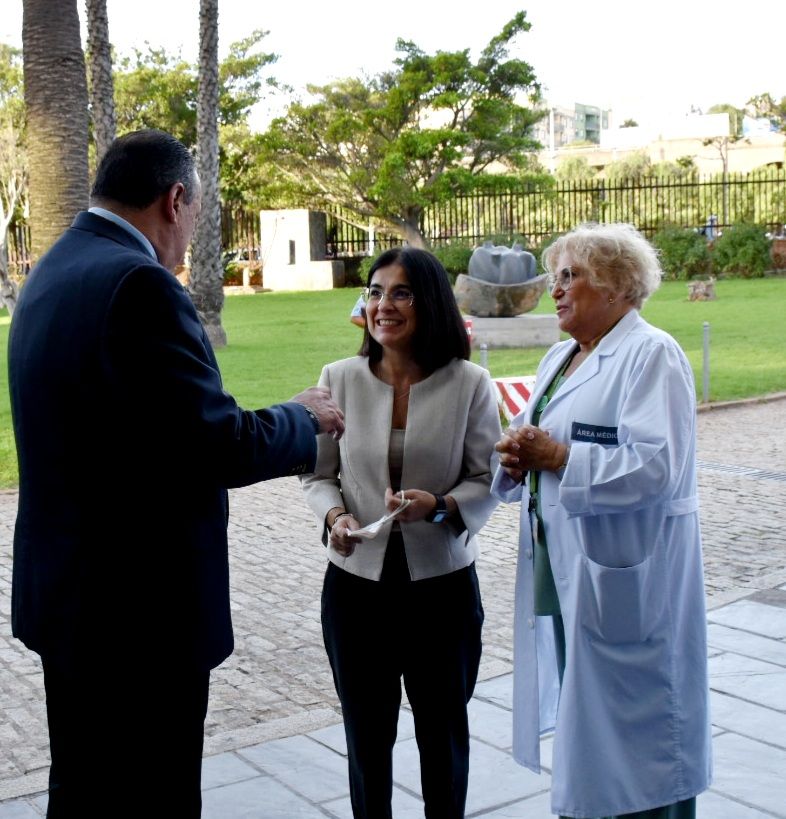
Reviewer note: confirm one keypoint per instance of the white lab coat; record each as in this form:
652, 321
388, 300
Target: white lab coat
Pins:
632, 728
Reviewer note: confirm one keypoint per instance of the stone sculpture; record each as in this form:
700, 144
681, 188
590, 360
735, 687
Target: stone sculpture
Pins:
501, 282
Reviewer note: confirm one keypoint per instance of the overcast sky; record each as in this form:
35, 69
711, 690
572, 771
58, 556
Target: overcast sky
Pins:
645, 61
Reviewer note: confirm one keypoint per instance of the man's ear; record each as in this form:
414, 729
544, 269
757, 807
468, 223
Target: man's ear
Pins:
173, 201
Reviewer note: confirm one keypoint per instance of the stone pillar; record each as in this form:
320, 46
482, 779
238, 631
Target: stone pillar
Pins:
293, 244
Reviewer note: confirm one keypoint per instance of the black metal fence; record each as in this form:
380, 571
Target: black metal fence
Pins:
348, 235
239, 239
650, 204
535, 214
239, 234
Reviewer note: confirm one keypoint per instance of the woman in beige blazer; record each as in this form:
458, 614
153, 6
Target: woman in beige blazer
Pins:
421, 423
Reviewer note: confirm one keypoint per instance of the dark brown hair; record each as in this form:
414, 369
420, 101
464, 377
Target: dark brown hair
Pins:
440, 334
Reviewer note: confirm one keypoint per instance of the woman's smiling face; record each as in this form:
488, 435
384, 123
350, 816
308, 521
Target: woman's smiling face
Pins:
390, 314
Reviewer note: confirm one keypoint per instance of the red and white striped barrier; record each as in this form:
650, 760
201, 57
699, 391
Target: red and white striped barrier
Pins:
513, 394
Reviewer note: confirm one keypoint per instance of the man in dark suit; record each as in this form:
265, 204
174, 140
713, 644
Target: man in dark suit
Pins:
127, 444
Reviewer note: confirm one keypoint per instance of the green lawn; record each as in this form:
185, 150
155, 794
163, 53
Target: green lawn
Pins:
278, 343
747, 336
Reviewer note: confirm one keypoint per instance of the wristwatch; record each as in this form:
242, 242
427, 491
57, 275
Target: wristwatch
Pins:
313, 416
440, 512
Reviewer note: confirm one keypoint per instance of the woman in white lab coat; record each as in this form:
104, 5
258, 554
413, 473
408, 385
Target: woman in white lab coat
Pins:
610, 634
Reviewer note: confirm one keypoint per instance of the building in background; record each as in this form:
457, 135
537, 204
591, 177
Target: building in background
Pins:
704, 138
565, 125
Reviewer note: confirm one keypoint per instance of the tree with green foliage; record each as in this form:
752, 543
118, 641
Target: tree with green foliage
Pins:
575, 168
156, 89
248, 177
632, 168
684, 167
390, 146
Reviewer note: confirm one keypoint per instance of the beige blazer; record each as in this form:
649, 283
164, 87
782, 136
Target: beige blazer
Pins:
452, 426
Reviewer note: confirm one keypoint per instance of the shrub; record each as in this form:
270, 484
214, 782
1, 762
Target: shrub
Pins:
364, 267
742, 250
233, 272
543, 243
353, 276
454, 258
683, 253
508, 240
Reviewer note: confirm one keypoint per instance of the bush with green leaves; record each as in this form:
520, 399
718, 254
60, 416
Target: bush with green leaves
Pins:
455, 258
364, 268
508, 240
542, 244
684, 253
742, 250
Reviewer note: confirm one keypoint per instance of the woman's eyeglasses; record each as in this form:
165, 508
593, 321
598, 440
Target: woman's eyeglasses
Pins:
564, 279
399, 295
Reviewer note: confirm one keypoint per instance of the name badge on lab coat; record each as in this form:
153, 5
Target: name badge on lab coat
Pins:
592, 434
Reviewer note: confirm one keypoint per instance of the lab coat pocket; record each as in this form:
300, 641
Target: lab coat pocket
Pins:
619, 604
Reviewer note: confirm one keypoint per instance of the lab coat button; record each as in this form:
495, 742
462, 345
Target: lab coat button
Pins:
528, 554
531, 622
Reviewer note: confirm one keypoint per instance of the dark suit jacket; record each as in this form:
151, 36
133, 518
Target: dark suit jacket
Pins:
127, 443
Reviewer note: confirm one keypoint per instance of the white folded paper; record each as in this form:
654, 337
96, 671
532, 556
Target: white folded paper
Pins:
372, 530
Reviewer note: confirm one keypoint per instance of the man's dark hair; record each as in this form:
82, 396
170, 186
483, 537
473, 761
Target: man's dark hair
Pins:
138, 167
440, 334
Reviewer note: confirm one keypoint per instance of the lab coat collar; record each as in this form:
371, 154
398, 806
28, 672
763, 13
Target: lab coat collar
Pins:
590, 367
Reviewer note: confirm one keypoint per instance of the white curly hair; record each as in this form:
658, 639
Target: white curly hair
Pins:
615, 256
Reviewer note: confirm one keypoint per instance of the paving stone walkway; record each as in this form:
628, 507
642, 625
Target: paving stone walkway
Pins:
273, 739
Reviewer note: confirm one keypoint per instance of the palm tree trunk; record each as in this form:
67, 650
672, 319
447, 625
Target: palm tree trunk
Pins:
56, 104
99, 63
206, 283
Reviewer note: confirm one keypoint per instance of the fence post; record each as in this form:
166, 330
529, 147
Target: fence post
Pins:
484, 355
706, 364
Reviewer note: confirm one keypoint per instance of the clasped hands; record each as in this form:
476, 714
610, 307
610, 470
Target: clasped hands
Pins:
529, 449
421, 504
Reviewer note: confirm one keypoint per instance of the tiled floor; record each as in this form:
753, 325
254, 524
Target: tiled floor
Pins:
304, 776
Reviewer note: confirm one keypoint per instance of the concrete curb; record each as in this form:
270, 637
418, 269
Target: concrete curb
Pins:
741, 402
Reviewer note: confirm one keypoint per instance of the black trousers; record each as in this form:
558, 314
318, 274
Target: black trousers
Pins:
429, 633
125, 742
